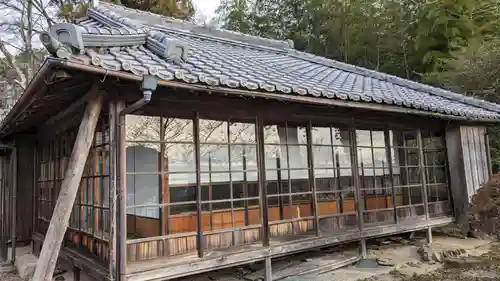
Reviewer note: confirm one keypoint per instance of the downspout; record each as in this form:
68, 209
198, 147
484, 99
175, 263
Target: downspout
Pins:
148, 85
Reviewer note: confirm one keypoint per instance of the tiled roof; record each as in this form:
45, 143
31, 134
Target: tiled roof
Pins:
122, 39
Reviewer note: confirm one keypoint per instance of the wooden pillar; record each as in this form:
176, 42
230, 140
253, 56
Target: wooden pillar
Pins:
429, 235
262, 182
3, 219
363, 251
122, 193
312, 179
389, 147
488, 154
69, 188
269, 270
113, 168
199, 235
13, 169
458, 181
76, 273
421, 163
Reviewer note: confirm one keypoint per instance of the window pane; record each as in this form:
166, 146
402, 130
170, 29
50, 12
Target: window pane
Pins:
214, 157
297, 156
363, 137
323, 157
178, 130
242, 133
274, 134
213, 131
321, 135
413, 175
365, 157
179, 158
243, 157
378, 139
325, 179
182, 194
275, 156
341, 136
343, 157
141, 159
145, 128
380, 155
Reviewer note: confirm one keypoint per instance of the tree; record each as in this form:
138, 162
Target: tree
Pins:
406, 38
475, 71
180, 9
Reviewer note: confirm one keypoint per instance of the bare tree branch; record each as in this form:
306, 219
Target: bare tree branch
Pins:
11, 60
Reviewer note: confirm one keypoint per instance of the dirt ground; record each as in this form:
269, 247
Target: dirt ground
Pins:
9, 277
484, 268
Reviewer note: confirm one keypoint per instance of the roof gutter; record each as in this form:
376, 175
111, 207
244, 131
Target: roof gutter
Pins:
274, 96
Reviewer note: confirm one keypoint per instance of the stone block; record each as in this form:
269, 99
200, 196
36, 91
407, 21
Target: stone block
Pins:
26, 265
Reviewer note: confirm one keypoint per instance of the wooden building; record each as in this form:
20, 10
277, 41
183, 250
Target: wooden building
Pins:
213, 149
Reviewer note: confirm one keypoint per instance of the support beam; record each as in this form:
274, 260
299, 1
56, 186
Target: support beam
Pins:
69, 188
421, 162
362, 245
50, 124
13, 169
113, 124
269, 270
122, 193
429, 235
76, 273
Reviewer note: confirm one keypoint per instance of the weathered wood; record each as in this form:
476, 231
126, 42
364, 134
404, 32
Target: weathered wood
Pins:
429, 235
76, 273
421, 163
13, 175
362, 245
74, 257
264, 219
488, 154
199, 236
122, 193
113, 122
269, 270
312, 179
180, 268
51, 123
458, 175
69, 188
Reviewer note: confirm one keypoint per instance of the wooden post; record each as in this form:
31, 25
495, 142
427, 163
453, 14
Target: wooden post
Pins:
312, 179
13, 169
429, 235
113, 123
76, 273
363, 248
122, 192
69, 188
421, 163
269, 271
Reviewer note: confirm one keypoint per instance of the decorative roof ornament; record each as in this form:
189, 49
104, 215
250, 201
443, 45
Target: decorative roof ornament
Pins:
75, 38
167, 48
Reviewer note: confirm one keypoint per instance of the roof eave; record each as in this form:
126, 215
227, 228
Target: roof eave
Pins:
275, 96
38, 82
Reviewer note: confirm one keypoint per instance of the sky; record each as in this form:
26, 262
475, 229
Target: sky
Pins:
207, 6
